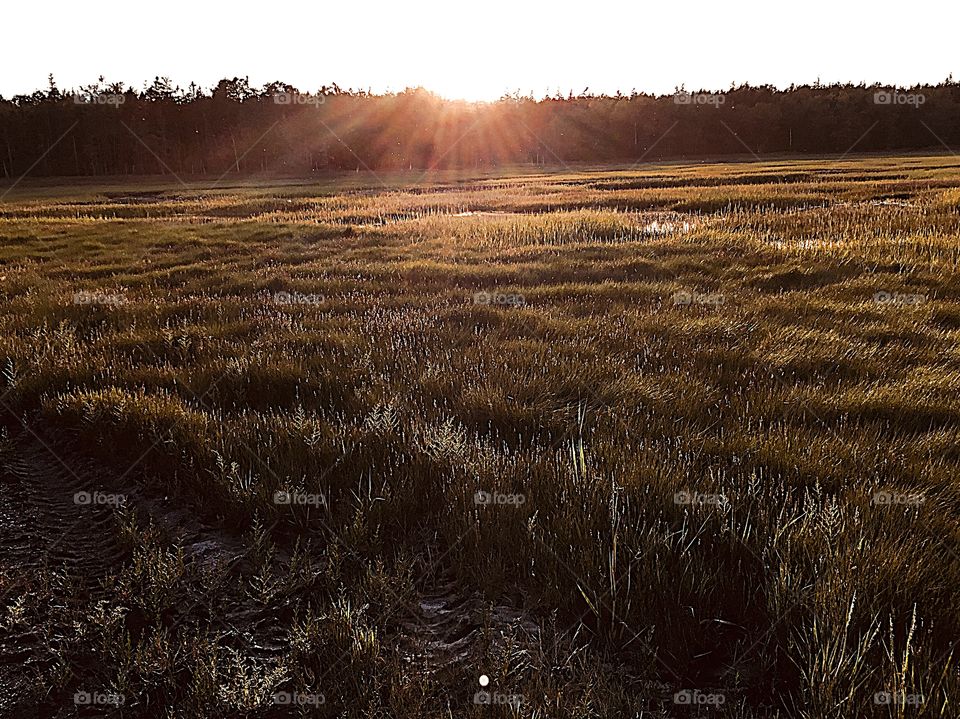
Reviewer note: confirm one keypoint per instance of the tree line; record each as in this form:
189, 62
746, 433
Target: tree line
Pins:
109, 129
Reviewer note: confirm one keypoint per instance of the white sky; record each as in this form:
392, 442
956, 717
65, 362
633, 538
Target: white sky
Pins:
479, 50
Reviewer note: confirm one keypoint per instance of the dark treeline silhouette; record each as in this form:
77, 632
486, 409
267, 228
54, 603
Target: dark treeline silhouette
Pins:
105, 129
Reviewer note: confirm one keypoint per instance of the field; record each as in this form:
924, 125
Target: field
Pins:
660, 441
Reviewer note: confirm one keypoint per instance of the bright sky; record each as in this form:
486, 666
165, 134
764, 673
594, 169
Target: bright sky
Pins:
479, 50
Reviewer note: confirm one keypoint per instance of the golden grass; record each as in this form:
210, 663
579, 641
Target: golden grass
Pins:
396, 350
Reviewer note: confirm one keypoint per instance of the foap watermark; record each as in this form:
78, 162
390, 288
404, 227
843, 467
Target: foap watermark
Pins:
886, 498
894, 97
683, 97
486, 498
296, 298
898, 698
84, 499
484, 696
298, 699
98, 298
113, 99
97, 699
898, 299
298, 98
698, 498
498, 298
298, 498
695, 697
686, 298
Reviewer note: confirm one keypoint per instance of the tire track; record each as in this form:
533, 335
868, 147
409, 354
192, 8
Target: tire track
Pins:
445, 629
50, 534
60, 538
72, 524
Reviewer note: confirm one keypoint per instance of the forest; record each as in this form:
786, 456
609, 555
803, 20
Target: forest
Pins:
106, 129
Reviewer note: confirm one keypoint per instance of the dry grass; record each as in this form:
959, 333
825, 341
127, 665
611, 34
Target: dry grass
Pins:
315, 341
